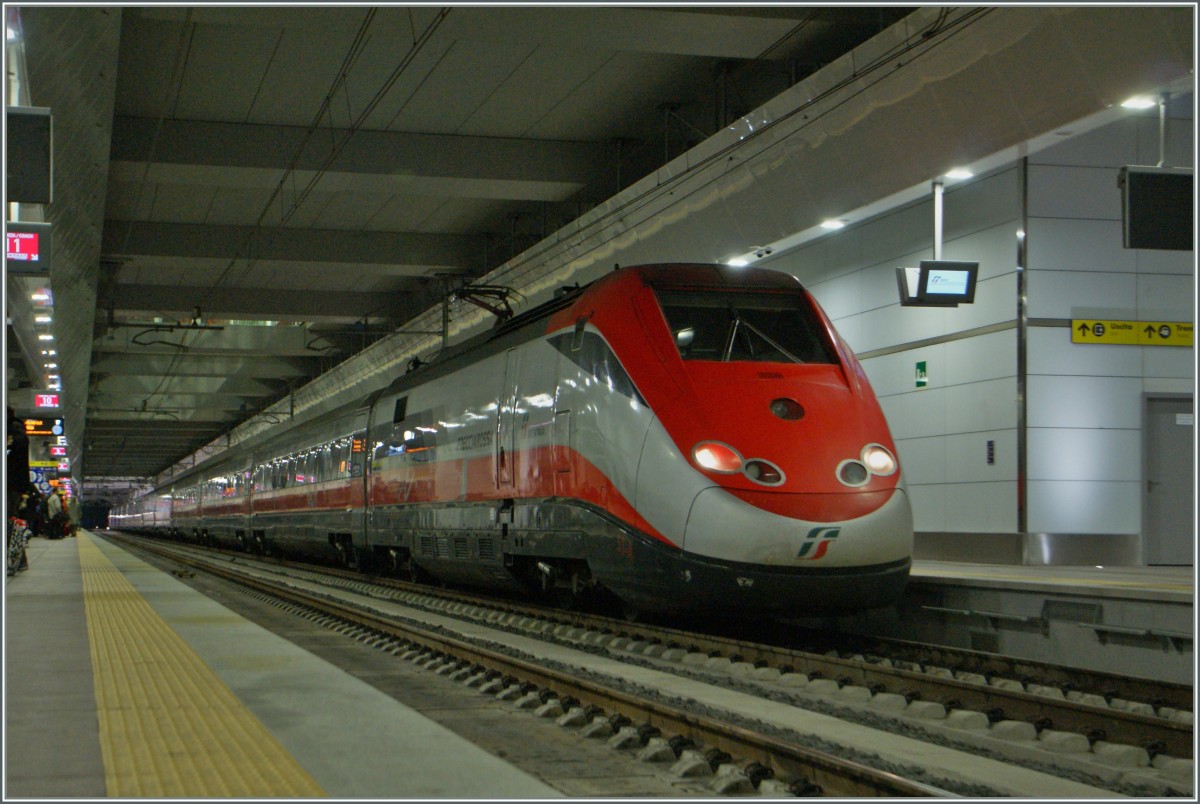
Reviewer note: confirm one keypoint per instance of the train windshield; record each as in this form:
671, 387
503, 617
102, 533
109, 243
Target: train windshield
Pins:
745, 326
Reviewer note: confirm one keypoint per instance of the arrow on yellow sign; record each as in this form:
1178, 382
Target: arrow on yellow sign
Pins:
1132, 333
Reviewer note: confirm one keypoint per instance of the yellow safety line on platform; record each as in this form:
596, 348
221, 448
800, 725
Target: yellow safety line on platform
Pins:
169, 728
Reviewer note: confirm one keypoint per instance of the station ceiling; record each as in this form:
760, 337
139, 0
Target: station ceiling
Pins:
246, 196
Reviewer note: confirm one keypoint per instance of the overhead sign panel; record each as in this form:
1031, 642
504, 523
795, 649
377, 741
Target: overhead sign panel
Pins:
1132, 333
27, 249
1157, 207
29, 166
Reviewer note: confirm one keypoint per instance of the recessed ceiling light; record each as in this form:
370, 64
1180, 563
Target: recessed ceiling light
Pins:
832, 224
959, 173
45, 337
738, 263
1139, 102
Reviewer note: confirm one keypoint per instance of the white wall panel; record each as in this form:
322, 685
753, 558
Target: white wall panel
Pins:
1074, 192
1168, 361
1075, 244
1050, 351
922, 460
1158, 261
981, 507
1084, 402
989, 405
1071, 294
1165, 297
966, 457
905, 231
878, 285
980, 204
995, 303
894, 325
994, 248
985, 357
929, 507
840, 296
1081, 506
916, 415
1113, 144
1072, 454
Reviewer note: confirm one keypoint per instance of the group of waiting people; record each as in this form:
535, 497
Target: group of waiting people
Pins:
29, 512
50, 516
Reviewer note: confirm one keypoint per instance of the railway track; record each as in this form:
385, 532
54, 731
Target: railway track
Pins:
1135, 749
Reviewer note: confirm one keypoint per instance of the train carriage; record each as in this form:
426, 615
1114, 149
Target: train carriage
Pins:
685, 439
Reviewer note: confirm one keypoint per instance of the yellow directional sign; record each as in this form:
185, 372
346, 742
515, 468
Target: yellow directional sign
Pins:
1132, 333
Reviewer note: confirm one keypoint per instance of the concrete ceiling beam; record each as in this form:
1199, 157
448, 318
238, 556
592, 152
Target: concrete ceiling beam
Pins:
389, 153
454, 252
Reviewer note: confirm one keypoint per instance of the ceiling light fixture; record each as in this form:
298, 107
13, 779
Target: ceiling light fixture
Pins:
832, 225
959, 173
1139, 102
45, 337
42, 319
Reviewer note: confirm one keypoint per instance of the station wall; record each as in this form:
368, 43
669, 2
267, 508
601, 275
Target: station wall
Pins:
962, 436
1085, 402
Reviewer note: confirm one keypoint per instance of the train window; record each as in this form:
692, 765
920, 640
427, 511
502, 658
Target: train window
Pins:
746, 327
595, 357
577, 336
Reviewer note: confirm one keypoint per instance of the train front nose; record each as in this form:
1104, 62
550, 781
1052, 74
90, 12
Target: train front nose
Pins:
756, 559
813, 531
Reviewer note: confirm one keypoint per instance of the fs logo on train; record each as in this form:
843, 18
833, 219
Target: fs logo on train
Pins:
820, 539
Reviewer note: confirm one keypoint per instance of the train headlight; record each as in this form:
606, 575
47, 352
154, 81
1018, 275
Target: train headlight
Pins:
717, 457
879, 460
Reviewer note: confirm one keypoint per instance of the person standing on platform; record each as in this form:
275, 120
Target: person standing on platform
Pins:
56, 512
37, 513
73, 513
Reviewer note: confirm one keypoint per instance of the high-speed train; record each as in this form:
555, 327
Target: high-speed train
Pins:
684, 439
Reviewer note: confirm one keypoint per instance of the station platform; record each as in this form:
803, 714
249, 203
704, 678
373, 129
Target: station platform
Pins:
123, 682
1122, 620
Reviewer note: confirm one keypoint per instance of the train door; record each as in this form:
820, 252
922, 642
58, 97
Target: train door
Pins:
506, 422
360, 462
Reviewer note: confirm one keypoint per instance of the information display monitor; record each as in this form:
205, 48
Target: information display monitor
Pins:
938, 283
